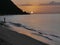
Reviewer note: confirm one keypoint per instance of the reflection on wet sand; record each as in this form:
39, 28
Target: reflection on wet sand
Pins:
31, 29
43, 27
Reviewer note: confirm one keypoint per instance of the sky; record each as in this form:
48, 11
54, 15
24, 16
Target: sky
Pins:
33, 1
36, 9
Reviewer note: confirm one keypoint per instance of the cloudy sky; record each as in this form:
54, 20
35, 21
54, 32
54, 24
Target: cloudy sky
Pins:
33, 1
36, 9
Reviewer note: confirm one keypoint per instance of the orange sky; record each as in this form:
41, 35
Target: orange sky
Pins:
34, 1
36, 9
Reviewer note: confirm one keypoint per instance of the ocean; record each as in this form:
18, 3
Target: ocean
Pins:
42, 27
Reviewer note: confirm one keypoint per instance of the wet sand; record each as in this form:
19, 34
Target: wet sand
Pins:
15, 38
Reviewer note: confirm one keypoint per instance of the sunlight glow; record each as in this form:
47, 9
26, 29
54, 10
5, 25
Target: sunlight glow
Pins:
32, 12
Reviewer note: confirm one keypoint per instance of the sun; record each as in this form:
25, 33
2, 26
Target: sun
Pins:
32, 12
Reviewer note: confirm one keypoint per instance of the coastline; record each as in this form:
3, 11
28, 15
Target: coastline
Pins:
15, 38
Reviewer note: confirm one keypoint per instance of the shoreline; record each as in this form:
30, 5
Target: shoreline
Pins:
18, 39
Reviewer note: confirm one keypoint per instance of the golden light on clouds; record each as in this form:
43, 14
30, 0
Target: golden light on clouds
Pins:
33, 1
34, 8
40, 9
30, 9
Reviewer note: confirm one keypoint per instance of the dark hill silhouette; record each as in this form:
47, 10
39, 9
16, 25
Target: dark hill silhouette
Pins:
8, 7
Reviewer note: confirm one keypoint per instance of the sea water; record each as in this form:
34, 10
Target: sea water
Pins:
48, 24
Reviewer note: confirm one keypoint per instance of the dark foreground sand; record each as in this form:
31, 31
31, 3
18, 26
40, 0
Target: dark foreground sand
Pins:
9, 37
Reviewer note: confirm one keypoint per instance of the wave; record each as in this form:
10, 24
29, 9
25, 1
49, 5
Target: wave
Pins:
39, 33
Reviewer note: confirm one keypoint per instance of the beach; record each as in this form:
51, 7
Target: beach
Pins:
15, 38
